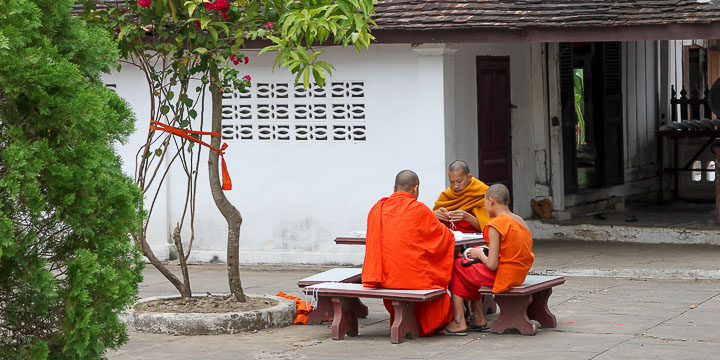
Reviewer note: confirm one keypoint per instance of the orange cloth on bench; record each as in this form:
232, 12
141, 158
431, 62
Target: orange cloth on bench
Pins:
303, 308
408, 248
471, 199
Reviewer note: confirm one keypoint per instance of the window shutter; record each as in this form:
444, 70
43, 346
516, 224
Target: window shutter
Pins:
569, 121
610, 110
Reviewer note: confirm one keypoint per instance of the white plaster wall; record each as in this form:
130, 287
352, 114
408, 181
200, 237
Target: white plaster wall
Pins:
525, 138
296, 197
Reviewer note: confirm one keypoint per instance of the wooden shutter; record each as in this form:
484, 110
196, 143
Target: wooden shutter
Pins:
610, 111
569, 118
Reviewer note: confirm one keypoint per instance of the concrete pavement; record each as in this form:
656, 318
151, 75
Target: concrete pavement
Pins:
598, 317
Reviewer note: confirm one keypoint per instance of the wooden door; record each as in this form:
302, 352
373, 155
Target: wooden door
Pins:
569, 118
493, 117
609, 111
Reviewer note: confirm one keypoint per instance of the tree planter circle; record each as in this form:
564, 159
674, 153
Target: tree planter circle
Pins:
279, 315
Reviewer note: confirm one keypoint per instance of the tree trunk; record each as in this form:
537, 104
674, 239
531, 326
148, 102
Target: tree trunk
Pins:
231, 214
182, 287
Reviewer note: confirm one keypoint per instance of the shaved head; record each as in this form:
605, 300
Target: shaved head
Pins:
499, 193
406, 180
459, 165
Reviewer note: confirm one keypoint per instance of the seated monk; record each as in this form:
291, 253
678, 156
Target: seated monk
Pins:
408, 248
462, 206
508, 262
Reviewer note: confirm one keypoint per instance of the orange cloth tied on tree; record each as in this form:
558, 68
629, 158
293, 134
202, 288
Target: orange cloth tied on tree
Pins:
226, 182
471, 199
408, 248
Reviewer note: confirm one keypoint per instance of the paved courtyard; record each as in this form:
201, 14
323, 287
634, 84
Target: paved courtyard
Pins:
598, 317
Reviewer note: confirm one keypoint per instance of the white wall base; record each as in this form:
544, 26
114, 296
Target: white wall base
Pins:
653, 235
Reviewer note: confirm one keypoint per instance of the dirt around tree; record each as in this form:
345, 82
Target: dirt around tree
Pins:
206, 304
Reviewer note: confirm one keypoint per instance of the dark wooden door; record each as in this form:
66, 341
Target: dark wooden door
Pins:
569, 118
493, 117
609, 96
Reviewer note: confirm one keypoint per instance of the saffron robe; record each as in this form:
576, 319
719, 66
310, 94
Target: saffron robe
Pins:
516, 259
471, 199
408, 248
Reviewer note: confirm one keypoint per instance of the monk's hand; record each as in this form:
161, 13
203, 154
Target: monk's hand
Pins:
458, 215
477, 253
442, 214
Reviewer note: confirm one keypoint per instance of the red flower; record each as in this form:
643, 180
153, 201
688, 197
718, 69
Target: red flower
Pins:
234, 59
246, 77
144, 3
269, 24
246, 60
209, 5
123, 12
197, 24
117, 31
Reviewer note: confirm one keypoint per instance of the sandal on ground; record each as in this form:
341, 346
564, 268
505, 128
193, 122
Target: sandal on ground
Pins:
475, 328
446, 332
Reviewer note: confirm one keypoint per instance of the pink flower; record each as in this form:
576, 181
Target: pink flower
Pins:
144, 3
246, 77
246, 60
269, 24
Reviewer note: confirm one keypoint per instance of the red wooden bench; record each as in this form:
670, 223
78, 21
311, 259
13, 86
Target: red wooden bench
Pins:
344, 295
324, 308
523, 303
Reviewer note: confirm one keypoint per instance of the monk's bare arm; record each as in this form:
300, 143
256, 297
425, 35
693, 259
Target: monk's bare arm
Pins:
492, 259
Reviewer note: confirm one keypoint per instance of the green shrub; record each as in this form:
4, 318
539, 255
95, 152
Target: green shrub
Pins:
67, 264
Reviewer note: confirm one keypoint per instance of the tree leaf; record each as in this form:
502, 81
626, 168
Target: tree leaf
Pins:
164, 109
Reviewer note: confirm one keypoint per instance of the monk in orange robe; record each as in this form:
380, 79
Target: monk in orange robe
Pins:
507, 264
462, 206
408, 248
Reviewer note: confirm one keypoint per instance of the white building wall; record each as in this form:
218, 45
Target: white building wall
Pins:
297, 196
529, 125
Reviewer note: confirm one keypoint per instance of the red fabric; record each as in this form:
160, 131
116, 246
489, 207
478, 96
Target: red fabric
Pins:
516, 256
303, 308
226, 182
466, 281
408, 248
462, 226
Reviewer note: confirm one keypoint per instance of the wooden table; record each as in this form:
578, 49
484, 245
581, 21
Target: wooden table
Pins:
468, 240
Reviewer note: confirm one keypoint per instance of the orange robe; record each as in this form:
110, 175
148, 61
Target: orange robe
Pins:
408, 248
516, 258
471, 199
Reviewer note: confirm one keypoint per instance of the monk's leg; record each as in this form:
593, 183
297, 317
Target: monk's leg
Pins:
458, 323
478, 313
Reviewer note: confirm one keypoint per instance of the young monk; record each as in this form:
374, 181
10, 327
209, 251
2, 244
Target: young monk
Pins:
408, 248
461, 207
508, 262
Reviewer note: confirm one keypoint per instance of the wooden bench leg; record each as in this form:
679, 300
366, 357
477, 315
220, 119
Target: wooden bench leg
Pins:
361, 310
513, 315
344, 318
539, 311
404, 323
489, 306
322, 311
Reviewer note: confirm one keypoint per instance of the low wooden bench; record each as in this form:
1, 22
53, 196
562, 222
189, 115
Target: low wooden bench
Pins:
523, 303
324, 308
344, 295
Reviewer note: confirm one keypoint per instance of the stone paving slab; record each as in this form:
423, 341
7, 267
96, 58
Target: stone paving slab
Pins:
657, 318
